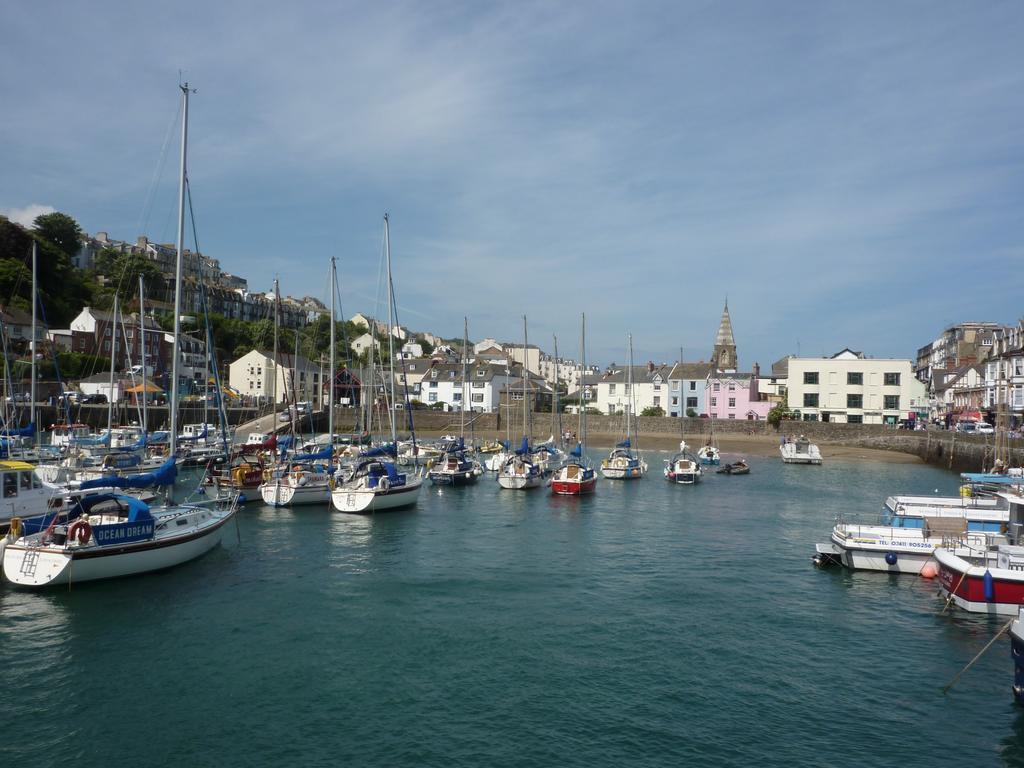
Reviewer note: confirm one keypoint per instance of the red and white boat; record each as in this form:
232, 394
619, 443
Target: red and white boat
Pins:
574, 478
988, 579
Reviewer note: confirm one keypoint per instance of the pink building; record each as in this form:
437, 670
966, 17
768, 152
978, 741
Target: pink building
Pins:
731, 395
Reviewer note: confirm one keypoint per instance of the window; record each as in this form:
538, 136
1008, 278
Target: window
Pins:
716, 386
611, 389
732, 386
478, 385
657, 402
854, 419
478, 398
457, 396
451, 374
693, 386
517, 395
675, 401
892, 380
855, 401
732, 415
10, 484
732, 402
855, 379
714, 401
691, 402
432, 384
810, 399
433, 374
810, 377
26, 480
810, 417
892, 402
432, 397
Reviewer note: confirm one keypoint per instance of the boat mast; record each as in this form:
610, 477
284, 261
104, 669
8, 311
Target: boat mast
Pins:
175, 347
523, 372
113, 359
583, 367
630, 400
391, 336
465, 361
330, 389
554, 401
273, 363
32, 348
142, 346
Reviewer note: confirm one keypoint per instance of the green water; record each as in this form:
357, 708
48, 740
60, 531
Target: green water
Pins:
649, 625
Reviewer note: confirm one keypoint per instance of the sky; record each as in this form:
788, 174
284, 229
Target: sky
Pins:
845, 174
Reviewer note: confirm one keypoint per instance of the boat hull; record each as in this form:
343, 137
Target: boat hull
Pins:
369, 500
965, 583
1017, 654
574, 487
278, 494
520, 482
462, 477
33, 567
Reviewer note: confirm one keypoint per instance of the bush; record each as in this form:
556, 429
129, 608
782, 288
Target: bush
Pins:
691, 414
653, 410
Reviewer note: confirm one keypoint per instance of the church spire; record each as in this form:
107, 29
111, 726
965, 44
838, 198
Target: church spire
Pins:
724, 355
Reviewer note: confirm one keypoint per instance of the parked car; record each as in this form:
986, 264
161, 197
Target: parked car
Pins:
18, 397
285, 416
984, 428
303, 407
70, 397
968, 427
96, 399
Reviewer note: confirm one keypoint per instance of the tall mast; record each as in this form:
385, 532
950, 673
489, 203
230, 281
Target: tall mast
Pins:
273, 378
175, 347
523, 372
142, 346
113, 360
583, 367
391, 336
630, 421
32, 349
330, 386
465, 362
554, 400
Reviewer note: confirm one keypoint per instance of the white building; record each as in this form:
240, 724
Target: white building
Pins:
253, 375
850, 388
650, 389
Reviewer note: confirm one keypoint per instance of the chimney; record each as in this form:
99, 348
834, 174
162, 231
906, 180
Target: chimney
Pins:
142, 242
650, 366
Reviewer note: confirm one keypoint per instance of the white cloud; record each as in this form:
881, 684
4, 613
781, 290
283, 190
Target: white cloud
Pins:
27, 215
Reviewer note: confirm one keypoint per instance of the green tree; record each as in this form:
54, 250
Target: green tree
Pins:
690, 413
779, 412
652, 410
61, 230
123, 270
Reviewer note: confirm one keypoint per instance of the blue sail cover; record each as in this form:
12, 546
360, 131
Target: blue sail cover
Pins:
380, 450
28, 431
577, 451
624, 444
164, 475
524, 447
139, 526
103, 439
322, 454
160, 437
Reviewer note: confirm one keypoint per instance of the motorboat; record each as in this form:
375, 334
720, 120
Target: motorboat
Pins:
738, 467
799, 451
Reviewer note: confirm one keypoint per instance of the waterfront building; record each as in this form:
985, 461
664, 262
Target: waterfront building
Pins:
687, 383
650, 388
256, 375
851, 388
958, 346
1004, 375
733, 395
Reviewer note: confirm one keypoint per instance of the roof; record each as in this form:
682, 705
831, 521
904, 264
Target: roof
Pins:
724, 336
688, 371
641, 374
780, 368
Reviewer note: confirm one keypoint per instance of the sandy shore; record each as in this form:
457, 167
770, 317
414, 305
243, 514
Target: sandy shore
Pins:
734, 446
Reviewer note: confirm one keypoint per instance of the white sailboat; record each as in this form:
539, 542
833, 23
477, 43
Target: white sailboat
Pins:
307, 478
519, 472
111, 535
375, 483
624, 462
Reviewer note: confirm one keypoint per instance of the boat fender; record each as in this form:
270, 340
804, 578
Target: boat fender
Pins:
268, 475
990, 587
80, 530
297, 476
238, 475
890, 558
303, 479
15, 527
384, 484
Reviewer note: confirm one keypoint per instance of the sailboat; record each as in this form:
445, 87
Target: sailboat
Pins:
624, 462
575, 477
108, 535
519, 472
454, 467
307, 478
684, 467
709, 453
374, 483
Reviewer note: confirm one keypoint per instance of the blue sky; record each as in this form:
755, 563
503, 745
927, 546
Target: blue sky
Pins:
849, 174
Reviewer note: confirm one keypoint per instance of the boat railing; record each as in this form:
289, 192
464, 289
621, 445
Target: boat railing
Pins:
973, 544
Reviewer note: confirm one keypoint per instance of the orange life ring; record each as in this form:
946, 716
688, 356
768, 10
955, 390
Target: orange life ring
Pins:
80, 530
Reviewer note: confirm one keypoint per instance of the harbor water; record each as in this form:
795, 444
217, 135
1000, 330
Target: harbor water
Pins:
649, 625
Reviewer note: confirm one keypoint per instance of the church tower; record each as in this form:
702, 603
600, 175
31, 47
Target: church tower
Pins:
724, 356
